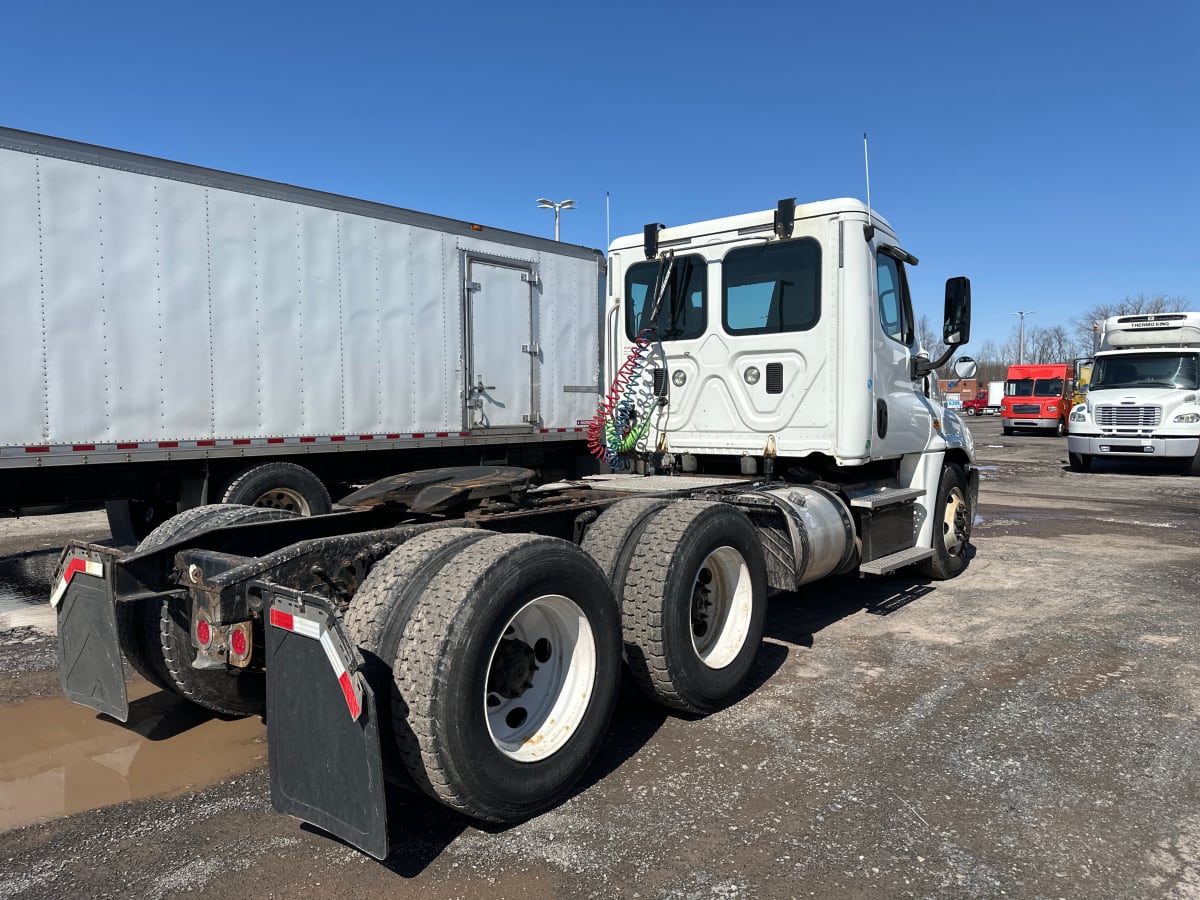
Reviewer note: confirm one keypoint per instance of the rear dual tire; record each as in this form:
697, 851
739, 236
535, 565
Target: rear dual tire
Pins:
156, 632
691, 579
501, 658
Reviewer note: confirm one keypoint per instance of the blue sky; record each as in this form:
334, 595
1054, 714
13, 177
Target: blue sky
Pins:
1047, 150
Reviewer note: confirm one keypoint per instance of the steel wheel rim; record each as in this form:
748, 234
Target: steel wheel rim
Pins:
954, 523
283, 498
722, 606
546, 657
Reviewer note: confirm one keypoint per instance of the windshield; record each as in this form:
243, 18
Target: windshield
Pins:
1031, 387
1177, 370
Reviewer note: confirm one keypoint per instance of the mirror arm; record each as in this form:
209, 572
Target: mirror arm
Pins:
922, 367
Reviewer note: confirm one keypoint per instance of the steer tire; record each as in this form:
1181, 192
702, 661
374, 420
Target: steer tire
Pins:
159, 633
1079, 462
684, 653
464, 642
952, 519
279, 485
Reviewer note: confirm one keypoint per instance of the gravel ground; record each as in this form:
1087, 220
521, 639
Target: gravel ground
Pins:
1028, 729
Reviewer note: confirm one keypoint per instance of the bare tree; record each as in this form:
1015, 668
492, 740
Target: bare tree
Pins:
1140, 305
930, 341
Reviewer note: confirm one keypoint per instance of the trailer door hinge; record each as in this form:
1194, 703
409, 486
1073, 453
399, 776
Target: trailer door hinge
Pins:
530, 277
474, 286
534, 418
535, 348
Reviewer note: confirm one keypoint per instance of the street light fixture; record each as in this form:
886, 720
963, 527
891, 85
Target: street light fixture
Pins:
1021, 336
543, 203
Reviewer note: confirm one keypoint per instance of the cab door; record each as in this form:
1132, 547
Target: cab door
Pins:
902, 414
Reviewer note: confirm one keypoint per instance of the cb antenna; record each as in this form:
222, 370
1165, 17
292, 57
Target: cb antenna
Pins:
869, 229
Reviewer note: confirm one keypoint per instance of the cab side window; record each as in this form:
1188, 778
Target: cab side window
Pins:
895, 306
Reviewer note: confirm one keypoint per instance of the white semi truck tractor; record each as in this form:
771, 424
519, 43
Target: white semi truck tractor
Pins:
1143, 401
463, 631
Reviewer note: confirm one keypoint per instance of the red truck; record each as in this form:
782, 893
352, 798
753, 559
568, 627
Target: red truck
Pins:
1037, 398
976, 407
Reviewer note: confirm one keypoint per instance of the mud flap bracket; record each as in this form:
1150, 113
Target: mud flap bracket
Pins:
322, 723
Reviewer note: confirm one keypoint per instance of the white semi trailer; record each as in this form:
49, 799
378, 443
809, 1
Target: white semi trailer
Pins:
463, 630
172, 336
1143, 401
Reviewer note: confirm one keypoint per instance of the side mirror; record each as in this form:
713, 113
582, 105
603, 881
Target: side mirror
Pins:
964, 367
956, 328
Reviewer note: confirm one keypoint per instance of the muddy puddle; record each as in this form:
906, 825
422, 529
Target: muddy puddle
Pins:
25, 578
58, 758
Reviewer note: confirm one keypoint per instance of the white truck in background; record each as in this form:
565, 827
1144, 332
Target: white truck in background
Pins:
1143, 401
465, 630
172, 336
995, 393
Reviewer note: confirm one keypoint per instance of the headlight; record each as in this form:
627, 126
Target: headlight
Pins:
1079, 414
1187, 418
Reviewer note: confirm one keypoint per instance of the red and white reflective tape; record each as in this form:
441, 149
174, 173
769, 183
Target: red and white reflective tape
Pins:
349, 689
310, 628
225, 443
74, 567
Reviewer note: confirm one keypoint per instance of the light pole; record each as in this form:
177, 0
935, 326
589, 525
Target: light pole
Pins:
1021, 336
543, 203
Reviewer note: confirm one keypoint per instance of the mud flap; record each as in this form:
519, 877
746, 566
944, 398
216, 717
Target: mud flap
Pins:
322, 728
89, 648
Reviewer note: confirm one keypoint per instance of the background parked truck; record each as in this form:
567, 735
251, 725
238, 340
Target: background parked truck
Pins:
174, 336
464, 631
1142, 400
1037, 398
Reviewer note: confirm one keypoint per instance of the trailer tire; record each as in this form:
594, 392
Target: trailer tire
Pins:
500, 706
1079, 462
162, 625
279, 485
690, 646
952, 519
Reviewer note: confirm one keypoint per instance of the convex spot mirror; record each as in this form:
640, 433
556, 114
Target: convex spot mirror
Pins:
956, 329
964, 367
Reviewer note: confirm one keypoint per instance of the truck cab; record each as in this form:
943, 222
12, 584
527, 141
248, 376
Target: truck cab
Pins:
804, 343
1037, 398
1142, 400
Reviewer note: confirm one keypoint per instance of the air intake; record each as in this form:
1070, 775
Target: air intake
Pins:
774, 378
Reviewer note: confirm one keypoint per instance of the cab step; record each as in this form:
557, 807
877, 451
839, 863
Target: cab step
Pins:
886, 565
885, 497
